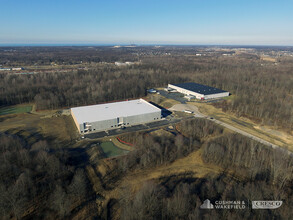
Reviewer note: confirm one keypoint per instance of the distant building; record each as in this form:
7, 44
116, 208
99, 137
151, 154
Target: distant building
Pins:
151, 91
120, 64
9, 69
16, 68
124, 64
198, 91
129, 63
5, 69
114, 115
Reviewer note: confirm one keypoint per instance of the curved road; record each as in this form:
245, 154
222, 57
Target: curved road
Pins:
194, 109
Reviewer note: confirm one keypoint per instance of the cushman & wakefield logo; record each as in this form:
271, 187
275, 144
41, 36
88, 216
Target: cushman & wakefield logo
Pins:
240, 204
207, 205
223, 205
266, 204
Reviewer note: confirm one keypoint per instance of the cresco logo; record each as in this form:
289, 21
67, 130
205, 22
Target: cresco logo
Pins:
266, 204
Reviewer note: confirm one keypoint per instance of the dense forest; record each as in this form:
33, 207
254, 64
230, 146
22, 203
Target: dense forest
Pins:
57, 90
68, 55
263, 93
38, 181
42, 181
252, 172
31, 56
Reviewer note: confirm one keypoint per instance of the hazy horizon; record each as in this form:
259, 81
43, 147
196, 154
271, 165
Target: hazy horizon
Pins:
114, 22
137, 45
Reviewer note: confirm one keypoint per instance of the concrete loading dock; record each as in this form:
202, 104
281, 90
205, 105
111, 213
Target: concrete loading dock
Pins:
198, 91
114, 115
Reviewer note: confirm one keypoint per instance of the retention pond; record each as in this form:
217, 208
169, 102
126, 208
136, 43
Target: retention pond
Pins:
111, 150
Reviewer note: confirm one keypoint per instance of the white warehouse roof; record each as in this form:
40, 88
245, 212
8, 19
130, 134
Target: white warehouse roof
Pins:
108, 111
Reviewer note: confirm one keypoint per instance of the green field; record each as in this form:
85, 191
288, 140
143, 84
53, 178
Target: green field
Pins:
112, 150
15, 109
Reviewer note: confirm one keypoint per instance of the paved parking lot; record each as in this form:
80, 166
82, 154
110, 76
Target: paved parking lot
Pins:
96, 135
115, 132
173, 95
179, 97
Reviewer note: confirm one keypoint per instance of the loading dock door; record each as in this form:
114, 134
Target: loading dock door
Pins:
120, 121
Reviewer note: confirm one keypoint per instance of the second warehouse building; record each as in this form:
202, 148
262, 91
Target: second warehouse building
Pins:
198, 91
114, 115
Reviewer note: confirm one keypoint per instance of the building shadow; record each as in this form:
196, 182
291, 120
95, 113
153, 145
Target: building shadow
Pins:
165, 112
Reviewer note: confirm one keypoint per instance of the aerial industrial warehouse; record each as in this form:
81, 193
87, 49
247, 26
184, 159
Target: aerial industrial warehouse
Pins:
199, 91
114, 115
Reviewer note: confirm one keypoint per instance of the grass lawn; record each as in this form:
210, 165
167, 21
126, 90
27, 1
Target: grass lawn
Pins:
112, 150
15, 109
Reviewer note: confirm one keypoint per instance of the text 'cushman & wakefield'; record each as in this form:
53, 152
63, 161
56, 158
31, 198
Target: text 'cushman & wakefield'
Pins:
229, 205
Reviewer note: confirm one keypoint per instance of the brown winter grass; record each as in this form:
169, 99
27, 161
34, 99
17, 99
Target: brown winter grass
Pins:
191, 166
164, 102
270, 59
161, 132
32, 127
267, 133
168, 103
61, 128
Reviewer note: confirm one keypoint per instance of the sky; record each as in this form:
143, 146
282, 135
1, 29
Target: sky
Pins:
88, 22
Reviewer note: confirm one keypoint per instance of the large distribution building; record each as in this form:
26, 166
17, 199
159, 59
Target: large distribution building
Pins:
114, 115
198, 91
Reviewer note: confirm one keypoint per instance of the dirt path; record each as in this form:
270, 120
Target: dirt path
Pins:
191, 166
196, 113
250, 136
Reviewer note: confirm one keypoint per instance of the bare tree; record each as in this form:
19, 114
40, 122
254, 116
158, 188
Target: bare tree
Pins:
77, 188
60, 201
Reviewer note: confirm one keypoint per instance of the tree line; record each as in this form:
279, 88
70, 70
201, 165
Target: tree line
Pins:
57, 90
36, 182
262, 93
42, 179
251, 171
31, 57
180, 198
